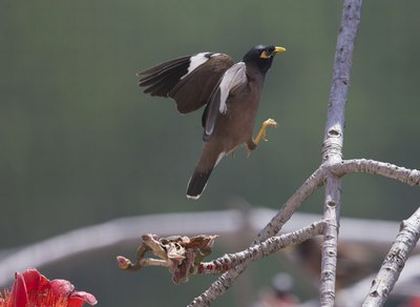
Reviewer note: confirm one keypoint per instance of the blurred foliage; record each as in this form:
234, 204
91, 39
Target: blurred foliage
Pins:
80, 144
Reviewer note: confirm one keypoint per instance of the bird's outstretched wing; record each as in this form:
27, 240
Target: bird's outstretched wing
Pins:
189, 80
233, 78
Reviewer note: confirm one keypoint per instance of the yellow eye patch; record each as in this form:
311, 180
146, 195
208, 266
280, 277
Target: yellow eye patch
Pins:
265, 55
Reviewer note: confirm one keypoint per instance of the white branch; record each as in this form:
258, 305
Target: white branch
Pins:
333, 144
402, 174
407, 286
394, 261
253, 253
262, 249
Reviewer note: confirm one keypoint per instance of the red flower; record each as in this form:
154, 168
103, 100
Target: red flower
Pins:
32, 289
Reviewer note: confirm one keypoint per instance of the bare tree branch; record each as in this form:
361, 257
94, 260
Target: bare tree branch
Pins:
333, 144
329, 246
408, 285
394, 261
262, 249
253, 253
218, 287
224, 282
405, 175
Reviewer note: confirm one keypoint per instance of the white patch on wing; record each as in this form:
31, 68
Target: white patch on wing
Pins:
232, 77
220, 157
195, 61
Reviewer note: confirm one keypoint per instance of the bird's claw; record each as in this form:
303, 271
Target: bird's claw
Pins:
270, 123
262, 134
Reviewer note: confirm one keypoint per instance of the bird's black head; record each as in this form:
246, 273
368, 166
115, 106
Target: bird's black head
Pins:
262, 56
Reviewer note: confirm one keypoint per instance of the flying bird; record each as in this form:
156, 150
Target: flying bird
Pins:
230, 92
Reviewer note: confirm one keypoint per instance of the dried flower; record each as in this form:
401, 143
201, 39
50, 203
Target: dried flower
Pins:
182, 255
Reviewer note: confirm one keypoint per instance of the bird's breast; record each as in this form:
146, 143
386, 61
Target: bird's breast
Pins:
237, 125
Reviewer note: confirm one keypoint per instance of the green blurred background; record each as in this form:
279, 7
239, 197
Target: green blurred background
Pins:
80, 144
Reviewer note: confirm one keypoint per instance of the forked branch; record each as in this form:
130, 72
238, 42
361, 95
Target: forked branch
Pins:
224, 282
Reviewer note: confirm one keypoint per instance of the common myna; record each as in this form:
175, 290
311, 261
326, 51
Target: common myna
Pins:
231, 93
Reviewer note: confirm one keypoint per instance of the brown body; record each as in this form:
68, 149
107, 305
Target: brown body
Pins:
236, 127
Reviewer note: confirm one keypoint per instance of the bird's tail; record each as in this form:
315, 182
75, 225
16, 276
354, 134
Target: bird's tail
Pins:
197, 183
198, 180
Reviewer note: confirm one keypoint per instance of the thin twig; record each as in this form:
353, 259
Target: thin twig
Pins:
333, 144
394, 261
402, 174
261, 249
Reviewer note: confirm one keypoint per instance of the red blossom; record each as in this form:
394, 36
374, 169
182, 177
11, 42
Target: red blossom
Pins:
32, 289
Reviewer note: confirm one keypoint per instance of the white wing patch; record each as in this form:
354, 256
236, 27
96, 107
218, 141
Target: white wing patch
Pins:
232, 77
195, 61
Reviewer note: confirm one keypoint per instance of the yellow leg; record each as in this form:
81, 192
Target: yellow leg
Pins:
262, 134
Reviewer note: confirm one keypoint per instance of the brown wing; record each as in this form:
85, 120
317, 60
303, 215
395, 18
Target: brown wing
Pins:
160, 79
188, 80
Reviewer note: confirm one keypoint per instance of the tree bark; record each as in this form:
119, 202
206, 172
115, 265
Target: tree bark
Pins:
332, 149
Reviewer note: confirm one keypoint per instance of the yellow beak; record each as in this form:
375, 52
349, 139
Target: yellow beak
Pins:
279, 50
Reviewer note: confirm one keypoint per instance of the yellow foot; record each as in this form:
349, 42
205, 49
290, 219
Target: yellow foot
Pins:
262, 134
